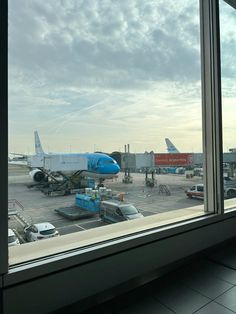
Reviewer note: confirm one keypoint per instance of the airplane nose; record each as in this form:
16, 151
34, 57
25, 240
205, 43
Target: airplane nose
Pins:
116, 168
109, 169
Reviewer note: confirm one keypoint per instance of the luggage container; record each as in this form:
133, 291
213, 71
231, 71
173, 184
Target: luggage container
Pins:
87, 202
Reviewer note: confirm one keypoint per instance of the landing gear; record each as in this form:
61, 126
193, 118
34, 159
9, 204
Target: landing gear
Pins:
100, 184
150, 182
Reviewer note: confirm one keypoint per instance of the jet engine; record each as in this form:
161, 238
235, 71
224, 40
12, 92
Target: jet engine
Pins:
37, 175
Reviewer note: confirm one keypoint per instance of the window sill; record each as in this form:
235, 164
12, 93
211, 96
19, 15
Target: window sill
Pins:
77, 249
36, 250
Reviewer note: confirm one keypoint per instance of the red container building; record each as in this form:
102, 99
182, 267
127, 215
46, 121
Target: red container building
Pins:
173, 159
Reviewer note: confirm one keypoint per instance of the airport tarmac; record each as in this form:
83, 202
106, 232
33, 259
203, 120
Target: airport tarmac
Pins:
40, 208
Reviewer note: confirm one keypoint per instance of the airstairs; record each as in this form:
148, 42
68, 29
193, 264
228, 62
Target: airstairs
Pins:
164, 190
17, 209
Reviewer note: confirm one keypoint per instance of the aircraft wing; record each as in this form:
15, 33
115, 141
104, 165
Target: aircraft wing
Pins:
21, 163
18, 154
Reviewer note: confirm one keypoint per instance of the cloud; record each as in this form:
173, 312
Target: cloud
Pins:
98, 42
107, 70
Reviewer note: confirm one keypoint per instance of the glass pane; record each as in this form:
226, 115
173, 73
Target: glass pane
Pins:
113, 89
228, 61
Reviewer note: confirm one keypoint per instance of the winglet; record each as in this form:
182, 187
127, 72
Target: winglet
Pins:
38, 146
171, 147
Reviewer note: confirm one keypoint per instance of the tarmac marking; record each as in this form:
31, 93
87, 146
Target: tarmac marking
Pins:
79, 226
143, 211
91, 221
66, 226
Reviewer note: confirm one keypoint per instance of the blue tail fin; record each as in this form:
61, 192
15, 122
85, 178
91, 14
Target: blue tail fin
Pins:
38, 146
171, 147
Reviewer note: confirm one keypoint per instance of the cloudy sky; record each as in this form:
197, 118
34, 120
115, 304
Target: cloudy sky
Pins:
98, 74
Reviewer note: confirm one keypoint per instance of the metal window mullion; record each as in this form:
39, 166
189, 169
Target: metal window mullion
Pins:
3, 142
211, 104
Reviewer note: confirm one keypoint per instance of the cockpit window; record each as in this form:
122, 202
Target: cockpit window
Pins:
105, 161
108, 161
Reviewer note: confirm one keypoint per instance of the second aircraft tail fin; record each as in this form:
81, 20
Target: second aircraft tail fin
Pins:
171, 147
38, 146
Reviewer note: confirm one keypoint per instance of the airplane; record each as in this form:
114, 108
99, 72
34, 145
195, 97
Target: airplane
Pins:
171, 147
92, 165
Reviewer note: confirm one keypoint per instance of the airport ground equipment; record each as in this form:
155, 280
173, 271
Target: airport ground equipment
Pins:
229, 188
86, 204
14, 206
74, 213
164, 189
198, 172
197, 190
189, 173
230, 192
115, 211
13, 237
17, 209
63, 185
136, 162
150, 182
127, 177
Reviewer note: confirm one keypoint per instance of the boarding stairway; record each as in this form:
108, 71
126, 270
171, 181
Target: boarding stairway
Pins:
53, 186
17, 209
164, 189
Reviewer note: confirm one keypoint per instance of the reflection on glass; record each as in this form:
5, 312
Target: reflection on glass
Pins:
228, 60
113, 89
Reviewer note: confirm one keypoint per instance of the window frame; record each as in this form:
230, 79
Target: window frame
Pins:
4, 137
46, 266
75, 276
211, 106
37, 271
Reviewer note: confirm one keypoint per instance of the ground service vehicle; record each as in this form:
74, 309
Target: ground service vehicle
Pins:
12, 238
229, 188
116, 211
40, 231
196, 191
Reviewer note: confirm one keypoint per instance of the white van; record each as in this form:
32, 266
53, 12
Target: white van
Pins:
196, 191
